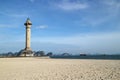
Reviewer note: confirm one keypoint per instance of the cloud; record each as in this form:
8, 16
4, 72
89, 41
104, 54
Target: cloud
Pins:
14, 14
114, 3
82, 38
93, 42
19, 15
93, 21
32, 1
42, 27
100, 14
7, 26
88, 43
69, 6
113, 6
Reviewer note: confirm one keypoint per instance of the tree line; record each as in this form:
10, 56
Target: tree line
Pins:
16, 54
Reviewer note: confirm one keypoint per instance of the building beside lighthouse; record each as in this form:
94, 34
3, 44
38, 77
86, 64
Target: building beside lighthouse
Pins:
27, 51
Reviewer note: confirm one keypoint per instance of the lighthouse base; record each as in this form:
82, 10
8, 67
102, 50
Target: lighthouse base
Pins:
27, 53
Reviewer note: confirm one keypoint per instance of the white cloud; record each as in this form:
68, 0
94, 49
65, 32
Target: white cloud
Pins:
7, 26
107, 10
67, 5
42, 27
32, 1
114, 3
93, 21
11, 14
83, 38
19, 15
88, 43
93, 42
113, 6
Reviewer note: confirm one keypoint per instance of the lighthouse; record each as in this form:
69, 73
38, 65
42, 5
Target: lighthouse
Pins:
27, 51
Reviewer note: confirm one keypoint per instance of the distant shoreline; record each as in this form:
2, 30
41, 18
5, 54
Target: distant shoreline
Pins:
111, 57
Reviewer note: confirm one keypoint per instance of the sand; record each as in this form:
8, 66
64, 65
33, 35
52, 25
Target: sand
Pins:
58, 69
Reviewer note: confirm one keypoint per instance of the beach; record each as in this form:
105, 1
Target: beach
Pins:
35, 68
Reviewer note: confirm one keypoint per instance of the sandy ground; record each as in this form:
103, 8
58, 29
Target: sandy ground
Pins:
58, 69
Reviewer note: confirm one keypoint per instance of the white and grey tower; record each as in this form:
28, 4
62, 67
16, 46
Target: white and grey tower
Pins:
27, 51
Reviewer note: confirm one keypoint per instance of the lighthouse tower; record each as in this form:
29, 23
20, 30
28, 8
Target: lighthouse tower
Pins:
27, 51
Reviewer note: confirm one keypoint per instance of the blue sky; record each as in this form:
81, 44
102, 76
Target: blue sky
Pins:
73, 26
